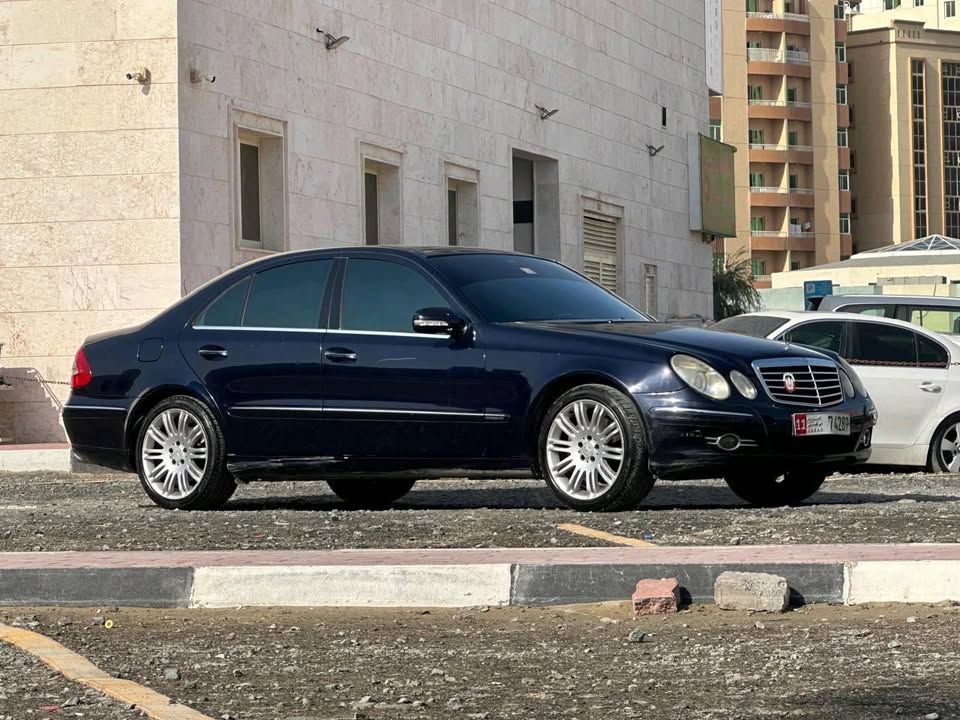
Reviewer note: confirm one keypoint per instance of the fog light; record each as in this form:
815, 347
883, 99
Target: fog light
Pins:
728, 442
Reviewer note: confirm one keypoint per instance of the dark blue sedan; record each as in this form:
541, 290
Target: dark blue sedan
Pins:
371, 368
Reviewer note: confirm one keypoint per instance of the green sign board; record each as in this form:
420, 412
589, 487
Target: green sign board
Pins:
717, 201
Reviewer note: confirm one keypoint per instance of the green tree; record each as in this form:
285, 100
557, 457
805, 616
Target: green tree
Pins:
733, 290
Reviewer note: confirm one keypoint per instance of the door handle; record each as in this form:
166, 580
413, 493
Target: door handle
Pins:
340, 355
212, 351
930, 387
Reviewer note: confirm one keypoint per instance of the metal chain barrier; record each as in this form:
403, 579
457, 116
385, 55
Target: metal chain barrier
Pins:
5, 379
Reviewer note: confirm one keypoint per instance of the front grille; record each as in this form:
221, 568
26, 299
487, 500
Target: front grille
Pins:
816, 383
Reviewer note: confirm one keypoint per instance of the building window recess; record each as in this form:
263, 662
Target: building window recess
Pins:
260, 190
601, 249
382, 217
650, 290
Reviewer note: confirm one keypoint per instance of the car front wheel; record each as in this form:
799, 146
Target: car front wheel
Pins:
181, 457
592, 450
770, 490
370, 494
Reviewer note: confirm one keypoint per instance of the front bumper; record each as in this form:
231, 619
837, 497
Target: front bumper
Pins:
689, 436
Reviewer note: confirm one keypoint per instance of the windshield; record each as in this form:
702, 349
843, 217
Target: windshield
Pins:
759, 326
518, 288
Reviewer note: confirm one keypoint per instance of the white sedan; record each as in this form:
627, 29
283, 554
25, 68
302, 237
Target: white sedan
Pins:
912, 374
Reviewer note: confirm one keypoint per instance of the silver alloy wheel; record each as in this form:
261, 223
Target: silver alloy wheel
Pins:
175, 453
585, 449
950, 448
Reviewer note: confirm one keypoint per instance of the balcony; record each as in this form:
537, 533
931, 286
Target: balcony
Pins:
800, 154
781, 197
779, 110
779, 241
793, 23
767, 61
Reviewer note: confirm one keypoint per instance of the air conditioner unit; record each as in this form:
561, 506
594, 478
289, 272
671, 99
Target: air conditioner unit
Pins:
807, 226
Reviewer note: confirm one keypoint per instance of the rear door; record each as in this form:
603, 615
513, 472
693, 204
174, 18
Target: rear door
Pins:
904, 372
258, 349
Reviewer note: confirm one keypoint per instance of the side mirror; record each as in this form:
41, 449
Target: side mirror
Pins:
438, 321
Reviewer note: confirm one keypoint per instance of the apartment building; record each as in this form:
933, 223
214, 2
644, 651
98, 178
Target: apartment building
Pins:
906, 141
785, 108
148, 145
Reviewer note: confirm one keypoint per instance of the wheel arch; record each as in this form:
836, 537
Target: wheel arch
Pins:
549, 393
951, 417
147, 401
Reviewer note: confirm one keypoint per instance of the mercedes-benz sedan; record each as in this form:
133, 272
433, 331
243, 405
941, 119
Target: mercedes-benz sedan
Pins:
371, 368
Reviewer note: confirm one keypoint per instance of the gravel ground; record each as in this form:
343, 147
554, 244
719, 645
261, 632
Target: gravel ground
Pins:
318, 664
29, 689
99, 512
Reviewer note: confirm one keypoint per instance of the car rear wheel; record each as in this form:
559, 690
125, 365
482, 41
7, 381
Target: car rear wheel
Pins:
370, 494
945, 448
769, 490
592, 450
181, 457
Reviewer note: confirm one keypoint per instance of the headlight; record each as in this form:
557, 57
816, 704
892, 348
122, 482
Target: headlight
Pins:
852, 376
847, 385
742, 383
700, 376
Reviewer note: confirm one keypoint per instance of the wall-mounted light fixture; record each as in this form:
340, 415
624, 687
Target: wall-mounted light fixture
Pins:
544, 113
331, 41
196, 76
140, 74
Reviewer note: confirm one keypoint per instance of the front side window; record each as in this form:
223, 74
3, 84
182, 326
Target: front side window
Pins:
507, 288
821, 335
938, 319
878, 344
382, 296
289, 296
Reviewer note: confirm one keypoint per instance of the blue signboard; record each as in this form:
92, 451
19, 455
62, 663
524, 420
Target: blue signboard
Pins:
817, 288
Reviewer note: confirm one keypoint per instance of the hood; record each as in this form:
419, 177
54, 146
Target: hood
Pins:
678, 338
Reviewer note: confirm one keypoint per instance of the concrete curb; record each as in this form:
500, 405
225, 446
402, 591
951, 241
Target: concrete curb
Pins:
463, 578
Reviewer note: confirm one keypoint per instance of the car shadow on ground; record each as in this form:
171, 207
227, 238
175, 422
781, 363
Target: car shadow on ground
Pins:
664, 497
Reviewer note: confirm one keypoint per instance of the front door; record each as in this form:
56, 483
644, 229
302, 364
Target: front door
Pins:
392, 392
258, 349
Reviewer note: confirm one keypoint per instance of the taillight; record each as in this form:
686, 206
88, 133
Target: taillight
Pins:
82, 372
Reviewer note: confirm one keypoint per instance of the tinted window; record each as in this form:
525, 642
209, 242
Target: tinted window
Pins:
288, 296
759, 326
821, 335
931, 354
938, 319
226, 310
512, 288
876, 344
383, 296
872, 310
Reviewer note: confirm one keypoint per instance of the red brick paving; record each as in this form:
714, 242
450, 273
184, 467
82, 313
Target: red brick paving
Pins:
745, 554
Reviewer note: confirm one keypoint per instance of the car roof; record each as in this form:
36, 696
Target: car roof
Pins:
408, 250
932, 300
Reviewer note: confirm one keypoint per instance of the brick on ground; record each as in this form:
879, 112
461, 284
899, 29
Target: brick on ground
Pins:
751, 591
656, 596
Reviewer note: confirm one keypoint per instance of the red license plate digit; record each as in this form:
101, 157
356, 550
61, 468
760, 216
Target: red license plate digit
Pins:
800, 424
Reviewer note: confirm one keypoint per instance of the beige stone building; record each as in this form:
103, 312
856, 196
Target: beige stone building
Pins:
784, 107
906, 138
148, 145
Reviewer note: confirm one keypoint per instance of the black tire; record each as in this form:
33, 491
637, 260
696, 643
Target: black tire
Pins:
769, 490
949, 432
373, 494
217, 485
632, 480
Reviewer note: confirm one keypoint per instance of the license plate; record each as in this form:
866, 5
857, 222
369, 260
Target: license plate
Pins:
820, 424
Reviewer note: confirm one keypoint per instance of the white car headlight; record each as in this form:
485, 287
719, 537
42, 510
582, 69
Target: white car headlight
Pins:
700, 376
742, 383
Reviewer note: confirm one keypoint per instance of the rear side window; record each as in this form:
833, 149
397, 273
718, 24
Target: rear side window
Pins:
931, 354
938, 319
871, 310
289, 296
877, 344
382, 296
226, 310
821, 335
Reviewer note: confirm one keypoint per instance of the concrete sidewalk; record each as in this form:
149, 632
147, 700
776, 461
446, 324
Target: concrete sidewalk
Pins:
463, 578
